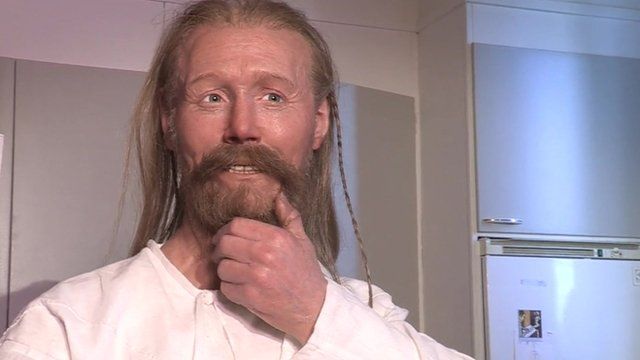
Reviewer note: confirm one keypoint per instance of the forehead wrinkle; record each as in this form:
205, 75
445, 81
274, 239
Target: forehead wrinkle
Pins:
293, 71
262, 76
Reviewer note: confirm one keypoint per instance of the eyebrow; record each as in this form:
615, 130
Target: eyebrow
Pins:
205, 76
264, 76
261, 76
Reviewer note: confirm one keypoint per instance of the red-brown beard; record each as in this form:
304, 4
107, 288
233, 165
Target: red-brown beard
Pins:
209, 205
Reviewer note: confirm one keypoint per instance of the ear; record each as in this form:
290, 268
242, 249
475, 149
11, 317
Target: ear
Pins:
167, 131
322, 124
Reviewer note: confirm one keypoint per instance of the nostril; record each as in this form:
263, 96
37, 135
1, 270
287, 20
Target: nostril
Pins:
234, 139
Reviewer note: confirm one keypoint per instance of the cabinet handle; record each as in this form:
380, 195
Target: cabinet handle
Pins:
503, 221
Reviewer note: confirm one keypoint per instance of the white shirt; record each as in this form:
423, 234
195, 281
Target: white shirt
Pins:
144, 308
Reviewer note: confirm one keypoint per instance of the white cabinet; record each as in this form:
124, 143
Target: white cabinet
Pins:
557, 142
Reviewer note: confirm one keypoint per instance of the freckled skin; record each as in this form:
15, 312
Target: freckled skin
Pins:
251, 85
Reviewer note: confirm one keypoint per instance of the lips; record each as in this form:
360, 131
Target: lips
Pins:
243, 169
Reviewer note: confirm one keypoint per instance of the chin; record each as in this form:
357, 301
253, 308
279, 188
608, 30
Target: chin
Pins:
251, 202
255, 201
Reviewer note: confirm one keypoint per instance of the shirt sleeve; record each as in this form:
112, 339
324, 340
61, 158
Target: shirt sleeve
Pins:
37, 334
348, 329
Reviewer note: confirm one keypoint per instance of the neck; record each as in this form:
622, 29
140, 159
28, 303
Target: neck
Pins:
186, 252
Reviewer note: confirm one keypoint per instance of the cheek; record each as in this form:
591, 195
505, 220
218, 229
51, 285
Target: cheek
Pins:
195, 136
301, 153
294, 142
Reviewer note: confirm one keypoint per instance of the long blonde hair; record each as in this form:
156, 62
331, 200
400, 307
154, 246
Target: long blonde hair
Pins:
161, 213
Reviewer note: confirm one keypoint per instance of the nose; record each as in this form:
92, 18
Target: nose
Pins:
242, 127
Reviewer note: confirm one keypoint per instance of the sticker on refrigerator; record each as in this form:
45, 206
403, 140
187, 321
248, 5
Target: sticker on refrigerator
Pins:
530, 324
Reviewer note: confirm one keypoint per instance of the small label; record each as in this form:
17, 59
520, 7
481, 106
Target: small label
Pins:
636, 276
530, 324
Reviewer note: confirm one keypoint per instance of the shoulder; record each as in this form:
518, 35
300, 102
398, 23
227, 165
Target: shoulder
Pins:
382, 301
88, 309
73, 306
101, 282
85, 295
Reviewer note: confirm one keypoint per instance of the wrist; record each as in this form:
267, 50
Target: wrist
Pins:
307, 323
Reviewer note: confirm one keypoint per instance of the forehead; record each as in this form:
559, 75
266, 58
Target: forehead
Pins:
240, 50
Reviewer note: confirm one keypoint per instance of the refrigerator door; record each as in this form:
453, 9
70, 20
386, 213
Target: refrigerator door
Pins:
561, 308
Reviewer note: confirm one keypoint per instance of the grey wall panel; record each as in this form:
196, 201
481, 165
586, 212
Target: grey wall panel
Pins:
445, 183
388, 201
557, 141
6, 128
71, 126
379, 147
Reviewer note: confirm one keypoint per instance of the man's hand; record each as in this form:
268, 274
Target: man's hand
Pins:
272, 271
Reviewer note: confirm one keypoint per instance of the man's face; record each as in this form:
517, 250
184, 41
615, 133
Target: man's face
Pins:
246, 85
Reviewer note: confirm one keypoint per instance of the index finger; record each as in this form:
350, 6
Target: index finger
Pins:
248, 228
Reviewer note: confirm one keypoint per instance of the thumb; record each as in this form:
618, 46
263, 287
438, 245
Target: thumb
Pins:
289, 217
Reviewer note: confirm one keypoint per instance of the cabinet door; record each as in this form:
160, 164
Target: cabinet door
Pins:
557, 142
71, 123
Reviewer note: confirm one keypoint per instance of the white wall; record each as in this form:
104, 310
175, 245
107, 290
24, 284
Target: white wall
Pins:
371, 40
118, 34
558, 26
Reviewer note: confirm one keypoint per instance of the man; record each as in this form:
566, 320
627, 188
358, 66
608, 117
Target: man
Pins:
233, 131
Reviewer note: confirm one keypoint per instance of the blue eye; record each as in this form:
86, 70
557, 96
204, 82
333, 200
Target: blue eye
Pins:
213, 98
272, 97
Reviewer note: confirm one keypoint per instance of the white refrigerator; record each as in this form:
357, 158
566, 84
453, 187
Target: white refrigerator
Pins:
561, 300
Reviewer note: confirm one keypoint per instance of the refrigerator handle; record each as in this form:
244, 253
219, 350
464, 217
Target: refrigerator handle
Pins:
502, 221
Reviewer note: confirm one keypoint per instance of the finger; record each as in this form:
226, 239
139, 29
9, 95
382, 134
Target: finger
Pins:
216, 237
237, 293
231, 291
249, 229
289, 217
232, 247
232, 271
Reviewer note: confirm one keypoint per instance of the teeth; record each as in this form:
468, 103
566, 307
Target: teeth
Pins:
242, 169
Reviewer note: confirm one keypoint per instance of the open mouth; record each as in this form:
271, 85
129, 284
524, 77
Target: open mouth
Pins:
243, 169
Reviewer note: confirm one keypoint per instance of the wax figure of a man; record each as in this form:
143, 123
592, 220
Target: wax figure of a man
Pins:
233, 130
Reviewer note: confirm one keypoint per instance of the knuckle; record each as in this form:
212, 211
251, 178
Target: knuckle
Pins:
261, 275
267, 256
293, 216
279, 239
